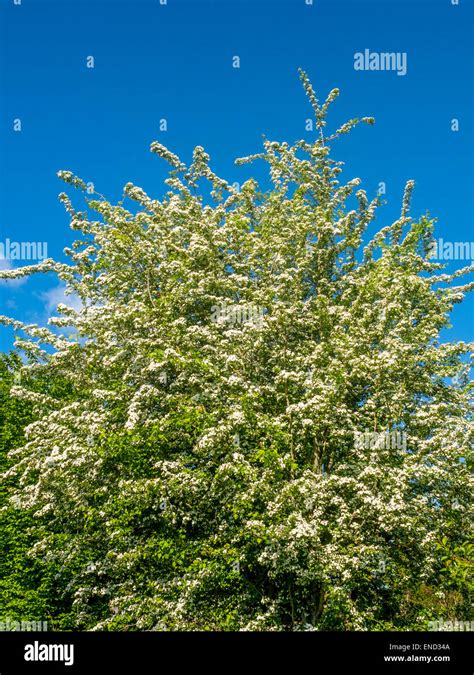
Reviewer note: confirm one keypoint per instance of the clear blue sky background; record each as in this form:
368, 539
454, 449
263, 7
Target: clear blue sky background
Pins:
174, 61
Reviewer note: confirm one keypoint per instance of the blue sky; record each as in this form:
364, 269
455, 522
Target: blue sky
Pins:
174, 61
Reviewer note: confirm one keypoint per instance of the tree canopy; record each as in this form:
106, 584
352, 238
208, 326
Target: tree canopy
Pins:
257, 426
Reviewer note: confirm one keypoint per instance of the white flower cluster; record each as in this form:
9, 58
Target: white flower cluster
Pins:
244, 429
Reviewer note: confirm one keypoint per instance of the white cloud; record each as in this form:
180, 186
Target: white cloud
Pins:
56, 296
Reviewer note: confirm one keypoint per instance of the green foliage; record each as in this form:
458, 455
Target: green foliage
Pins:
254, 425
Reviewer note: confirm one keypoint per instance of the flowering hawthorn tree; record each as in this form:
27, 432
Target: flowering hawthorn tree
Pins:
204, 468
